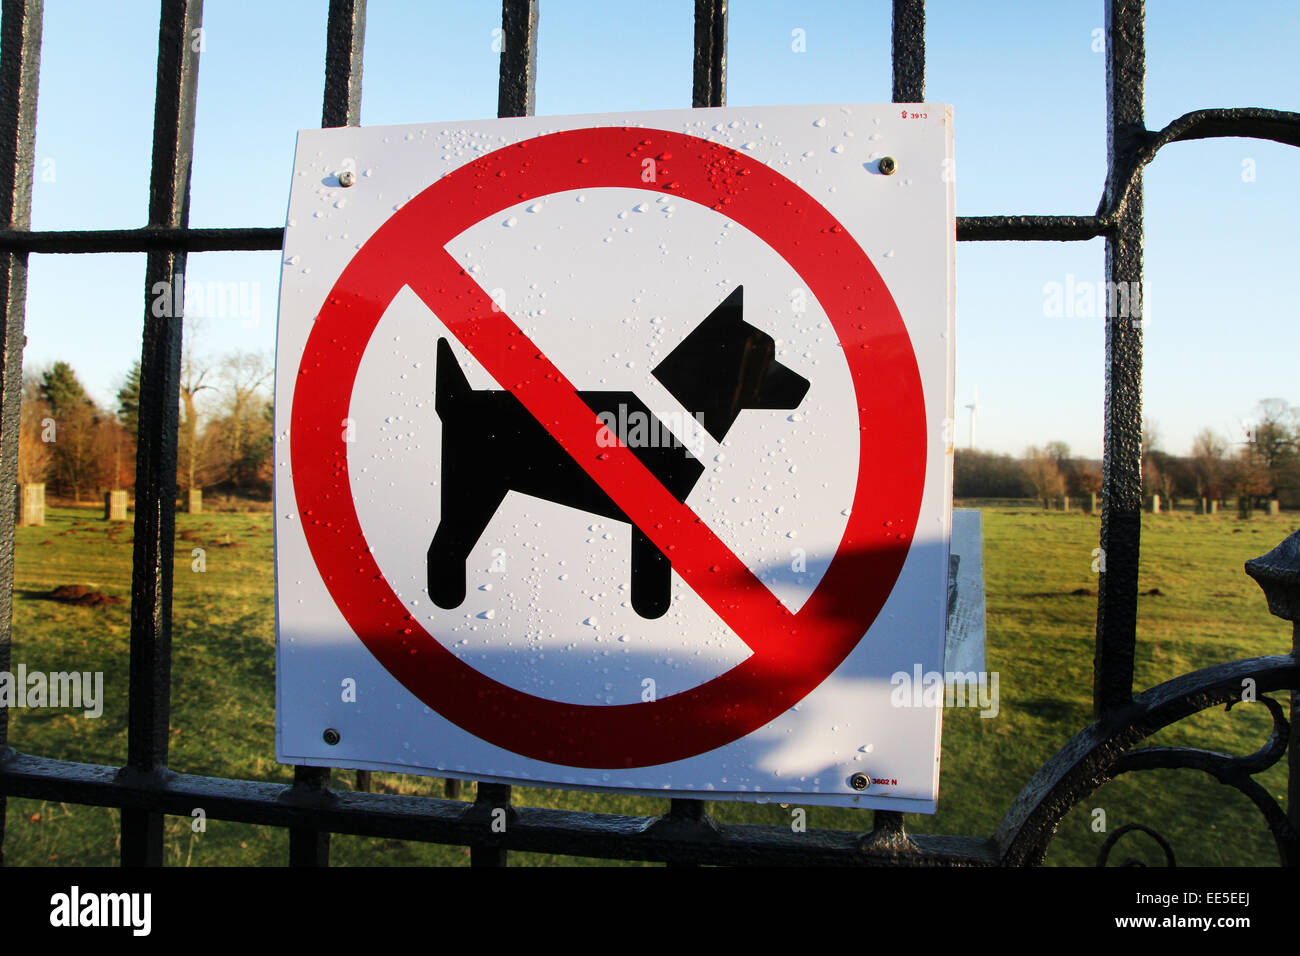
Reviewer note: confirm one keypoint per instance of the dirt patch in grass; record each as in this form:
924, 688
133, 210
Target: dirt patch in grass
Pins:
1089, 592
82, 596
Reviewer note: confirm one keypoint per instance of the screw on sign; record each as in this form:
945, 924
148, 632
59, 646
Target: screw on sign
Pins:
540, 434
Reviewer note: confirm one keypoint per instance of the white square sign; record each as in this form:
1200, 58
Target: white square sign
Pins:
613, 452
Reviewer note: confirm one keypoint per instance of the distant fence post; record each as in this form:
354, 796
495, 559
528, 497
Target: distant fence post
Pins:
115, 506
31, 504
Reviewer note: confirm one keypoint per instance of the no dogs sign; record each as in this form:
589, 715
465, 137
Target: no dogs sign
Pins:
612, 451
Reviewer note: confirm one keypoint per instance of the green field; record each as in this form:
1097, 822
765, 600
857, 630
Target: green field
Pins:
1040, 641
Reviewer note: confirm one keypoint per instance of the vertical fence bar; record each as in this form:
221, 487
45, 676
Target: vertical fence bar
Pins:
308, 846
1121, 510
149, 709
516, 96
490, 798
20, 67
909, 51
907, 55
345, 40
686, 815
517, 86
709, 86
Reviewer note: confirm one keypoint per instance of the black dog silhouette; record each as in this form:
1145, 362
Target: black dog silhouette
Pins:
491, 444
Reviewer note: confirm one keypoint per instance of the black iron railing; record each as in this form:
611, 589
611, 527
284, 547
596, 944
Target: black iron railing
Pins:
146, 790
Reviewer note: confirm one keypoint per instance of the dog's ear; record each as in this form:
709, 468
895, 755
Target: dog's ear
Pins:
699, 370
451, 383
727, 365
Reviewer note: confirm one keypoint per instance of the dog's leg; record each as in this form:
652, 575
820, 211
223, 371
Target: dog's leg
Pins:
652, 577
462, 524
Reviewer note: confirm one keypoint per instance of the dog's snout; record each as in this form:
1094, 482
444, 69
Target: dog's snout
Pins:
783, 388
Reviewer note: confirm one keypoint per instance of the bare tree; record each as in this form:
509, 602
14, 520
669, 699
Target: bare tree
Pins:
193, 373
1059, 451
1044, 474
35, 434
1150, 436
1087, 477
1250, 479
243, 376
1209, 464
1152, 479
1272, 442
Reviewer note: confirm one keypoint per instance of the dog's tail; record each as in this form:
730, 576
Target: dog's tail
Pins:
451, 384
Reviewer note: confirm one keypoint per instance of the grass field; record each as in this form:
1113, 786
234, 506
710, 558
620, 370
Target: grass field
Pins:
1040, 640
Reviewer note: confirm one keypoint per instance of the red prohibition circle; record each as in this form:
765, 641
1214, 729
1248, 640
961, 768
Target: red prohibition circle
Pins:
792, 652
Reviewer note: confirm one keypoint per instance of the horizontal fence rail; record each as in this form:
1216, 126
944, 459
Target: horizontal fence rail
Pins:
146, 790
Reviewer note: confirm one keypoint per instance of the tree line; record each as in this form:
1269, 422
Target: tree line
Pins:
1265, 465
80, 449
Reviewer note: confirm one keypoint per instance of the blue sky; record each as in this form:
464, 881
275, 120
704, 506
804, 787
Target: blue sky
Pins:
1028, 91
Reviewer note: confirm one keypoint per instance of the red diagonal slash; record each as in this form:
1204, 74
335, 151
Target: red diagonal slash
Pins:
514, 360
792, 653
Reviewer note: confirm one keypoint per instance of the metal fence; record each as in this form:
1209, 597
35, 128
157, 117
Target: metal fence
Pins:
145, 789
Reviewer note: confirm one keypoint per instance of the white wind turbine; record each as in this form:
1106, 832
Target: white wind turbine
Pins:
974, 407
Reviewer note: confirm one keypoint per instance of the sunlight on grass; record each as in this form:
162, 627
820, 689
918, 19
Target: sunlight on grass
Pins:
1198, 609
